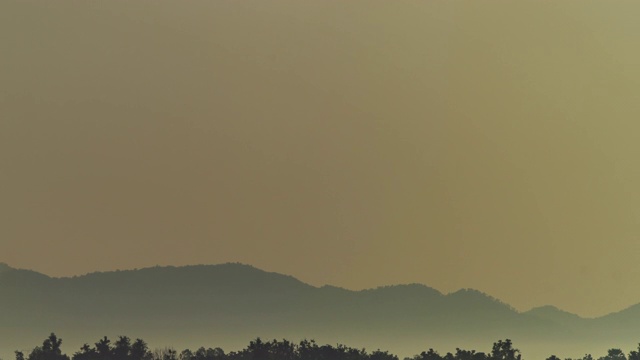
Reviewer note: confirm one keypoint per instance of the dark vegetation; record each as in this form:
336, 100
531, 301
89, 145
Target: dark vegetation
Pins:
223, 302
232, 301
126, 349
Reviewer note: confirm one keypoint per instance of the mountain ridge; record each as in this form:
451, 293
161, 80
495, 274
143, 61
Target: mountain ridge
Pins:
250, 268
233, 302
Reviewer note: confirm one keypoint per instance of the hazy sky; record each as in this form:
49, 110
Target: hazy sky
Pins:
483, 144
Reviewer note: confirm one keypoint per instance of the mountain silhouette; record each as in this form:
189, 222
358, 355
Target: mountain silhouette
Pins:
227, 304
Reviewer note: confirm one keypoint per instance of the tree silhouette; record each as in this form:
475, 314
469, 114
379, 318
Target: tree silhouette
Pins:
122, 349
50, 350
469, 355
283, 350
139, 350
259, 350
86, 353
614, 354
103, 349
449, 356
504, 350
167, 353
204, 354
428, 355
634, 354
382, 355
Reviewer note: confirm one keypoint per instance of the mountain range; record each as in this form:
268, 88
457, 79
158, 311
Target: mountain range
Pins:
229, 304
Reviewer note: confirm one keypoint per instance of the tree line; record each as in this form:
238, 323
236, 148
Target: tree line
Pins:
125, 348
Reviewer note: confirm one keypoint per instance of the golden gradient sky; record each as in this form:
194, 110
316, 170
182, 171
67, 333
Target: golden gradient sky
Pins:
483, 144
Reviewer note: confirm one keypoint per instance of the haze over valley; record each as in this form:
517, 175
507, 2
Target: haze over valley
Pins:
229, 304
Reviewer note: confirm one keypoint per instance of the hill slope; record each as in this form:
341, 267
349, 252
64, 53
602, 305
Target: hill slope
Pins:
229, 304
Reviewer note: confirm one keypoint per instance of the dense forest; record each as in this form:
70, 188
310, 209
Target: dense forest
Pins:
126, 349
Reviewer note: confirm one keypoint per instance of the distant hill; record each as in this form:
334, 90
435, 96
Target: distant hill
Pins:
226, 305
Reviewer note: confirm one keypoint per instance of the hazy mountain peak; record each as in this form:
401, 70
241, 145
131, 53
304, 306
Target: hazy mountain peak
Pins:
624, 315
222, 279
414, 289
467, 292
478, 297
5, 267
235, 300
188, 269
21, 276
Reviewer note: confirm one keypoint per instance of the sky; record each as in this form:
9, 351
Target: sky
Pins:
459, 144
